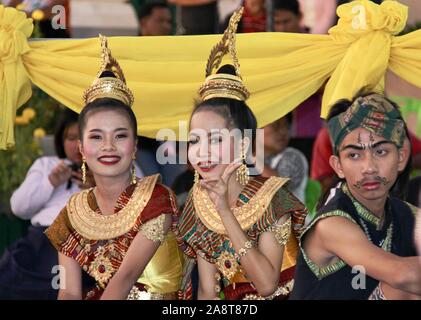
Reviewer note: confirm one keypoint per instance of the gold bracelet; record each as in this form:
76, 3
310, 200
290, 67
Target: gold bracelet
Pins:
243, 251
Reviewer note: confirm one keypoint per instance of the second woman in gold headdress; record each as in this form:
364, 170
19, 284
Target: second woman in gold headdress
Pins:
241, 230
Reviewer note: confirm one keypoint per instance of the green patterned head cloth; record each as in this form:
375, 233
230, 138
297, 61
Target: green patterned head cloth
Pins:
372, 112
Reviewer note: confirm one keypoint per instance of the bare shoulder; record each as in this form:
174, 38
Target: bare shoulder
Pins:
325, 233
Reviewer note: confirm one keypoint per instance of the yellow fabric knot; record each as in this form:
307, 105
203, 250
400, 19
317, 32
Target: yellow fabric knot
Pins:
366, 32
15, 86
15, 29
358, 18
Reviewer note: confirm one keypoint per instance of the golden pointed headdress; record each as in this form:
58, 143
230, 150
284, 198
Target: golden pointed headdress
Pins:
224, 85
109, 87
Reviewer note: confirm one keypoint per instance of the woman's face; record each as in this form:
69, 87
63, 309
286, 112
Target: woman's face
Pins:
108, 143
70, 142
211, 146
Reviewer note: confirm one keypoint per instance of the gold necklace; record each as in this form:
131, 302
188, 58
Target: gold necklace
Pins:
93, 226
246, 215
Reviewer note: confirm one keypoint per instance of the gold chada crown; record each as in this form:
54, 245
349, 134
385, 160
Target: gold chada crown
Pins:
223, 85
109, 87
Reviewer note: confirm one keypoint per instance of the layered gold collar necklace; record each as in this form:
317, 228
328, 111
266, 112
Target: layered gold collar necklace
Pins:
93, 226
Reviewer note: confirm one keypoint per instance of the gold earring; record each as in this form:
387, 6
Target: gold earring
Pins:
196, 177
242, 174
83, 168
134, 177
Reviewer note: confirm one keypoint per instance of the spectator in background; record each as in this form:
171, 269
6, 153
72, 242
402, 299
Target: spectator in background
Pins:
306, 122
254, 16
287, 17
253, 19
26, 266
198, 16
283, 160
155, 19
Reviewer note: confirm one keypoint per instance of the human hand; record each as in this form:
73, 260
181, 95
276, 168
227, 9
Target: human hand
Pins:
60, 174
218, 187
77, 179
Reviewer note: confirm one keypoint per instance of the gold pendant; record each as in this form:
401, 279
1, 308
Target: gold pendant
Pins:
227, 265
101, 269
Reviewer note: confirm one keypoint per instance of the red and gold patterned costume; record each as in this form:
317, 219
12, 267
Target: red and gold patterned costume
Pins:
260, 206
99, 243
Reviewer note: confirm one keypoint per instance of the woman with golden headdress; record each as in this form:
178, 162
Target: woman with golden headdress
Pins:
241, 230
119, 230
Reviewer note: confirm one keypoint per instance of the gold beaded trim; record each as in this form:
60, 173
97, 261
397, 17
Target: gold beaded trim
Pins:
101, 276
227, 265
136, 294
93, 226
223, 86
282, 232
246, 215
154, 229
109, 88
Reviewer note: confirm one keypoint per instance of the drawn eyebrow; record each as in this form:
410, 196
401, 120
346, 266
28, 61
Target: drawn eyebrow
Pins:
353, 147
361, 148
375, 145
99, 130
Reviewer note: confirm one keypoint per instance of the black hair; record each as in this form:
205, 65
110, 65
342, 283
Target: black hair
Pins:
288, 118
105, 104
65, 120
399, 189
288, 5
146, 9
237, 113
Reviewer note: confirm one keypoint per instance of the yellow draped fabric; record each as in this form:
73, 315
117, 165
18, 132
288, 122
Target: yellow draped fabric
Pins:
281, 70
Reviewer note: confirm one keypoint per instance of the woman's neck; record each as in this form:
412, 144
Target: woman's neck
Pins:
108, 190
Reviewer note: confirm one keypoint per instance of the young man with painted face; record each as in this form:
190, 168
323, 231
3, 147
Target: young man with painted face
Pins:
362, 240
